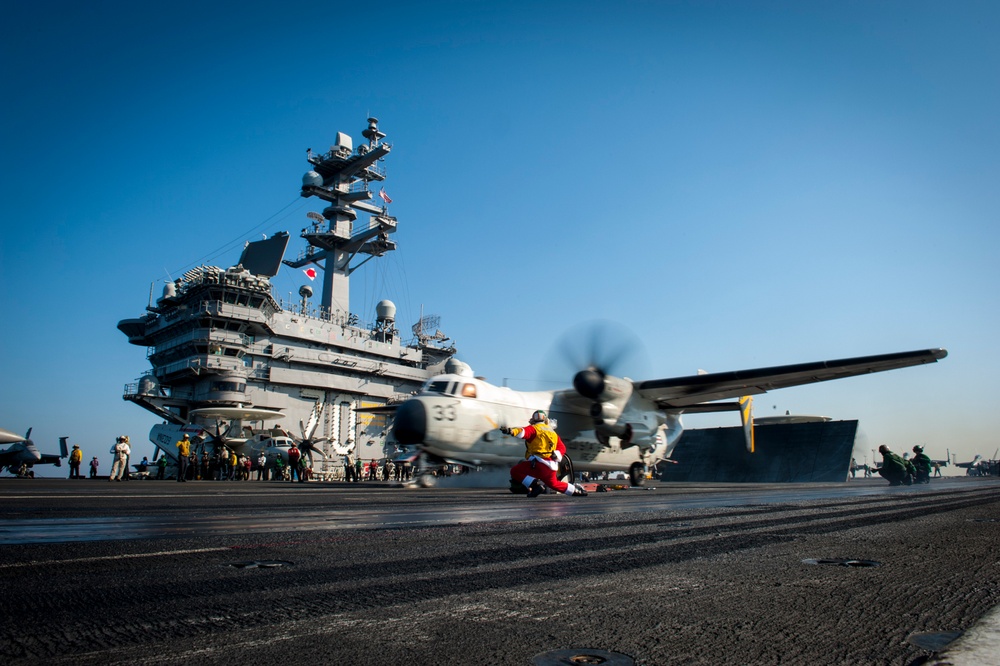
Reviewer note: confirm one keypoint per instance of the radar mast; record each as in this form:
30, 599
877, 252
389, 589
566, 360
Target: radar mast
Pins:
341, 178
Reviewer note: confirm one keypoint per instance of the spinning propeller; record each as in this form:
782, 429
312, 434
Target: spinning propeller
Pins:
308, 444
600, 352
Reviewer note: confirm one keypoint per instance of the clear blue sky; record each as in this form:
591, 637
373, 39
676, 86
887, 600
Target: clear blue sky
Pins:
743, 184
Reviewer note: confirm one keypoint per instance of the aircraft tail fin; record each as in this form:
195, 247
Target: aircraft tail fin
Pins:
63, 448
746, 418
745, 408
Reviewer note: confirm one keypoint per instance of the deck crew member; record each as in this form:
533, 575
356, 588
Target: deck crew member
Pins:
894, 469
922, 463
293, 463
543, 452
121, 451
183, 451
75, 458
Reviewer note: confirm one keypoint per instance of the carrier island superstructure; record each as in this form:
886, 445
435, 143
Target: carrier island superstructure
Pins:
231, 361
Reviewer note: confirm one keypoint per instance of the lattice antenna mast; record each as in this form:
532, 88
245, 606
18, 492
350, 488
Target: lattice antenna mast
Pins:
341, 177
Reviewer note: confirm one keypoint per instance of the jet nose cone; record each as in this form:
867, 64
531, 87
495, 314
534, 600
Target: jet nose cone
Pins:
411, 422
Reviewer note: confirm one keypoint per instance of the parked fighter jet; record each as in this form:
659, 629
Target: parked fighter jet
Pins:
22, 451
966, 465
608, 423
975, 467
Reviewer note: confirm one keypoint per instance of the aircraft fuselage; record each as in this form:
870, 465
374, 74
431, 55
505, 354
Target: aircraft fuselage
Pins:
458, 418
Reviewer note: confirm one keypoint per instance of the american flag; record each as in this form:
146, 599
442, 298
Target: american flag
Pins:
385, 197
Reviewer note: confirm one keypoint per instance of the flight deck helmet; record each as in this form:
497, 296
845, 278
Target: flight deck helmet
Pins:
918, 449
539, 417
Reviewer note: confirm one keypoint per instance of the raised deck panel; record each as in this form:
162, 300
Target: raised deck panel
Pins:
786, 453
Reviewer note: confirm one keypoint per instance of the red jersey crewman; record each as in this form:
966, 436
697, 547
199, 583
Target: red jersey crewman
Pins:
543, 452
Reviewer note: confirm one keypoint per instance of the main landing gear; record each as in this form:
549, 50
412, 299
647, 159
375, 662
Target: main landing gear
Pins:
637, 474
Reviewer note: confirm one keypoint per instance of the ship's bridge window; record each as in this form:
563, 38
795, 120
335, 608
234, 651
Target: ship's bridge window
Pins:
468, 390
233, 387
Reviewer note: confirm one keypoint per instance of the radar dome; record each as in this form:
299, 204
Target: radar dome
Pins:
385, 311
148, 385
312, 178
305, 291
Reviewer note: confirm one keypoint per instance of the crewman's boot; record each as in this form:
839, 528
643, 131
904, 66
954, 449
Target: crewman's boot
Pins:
536, 488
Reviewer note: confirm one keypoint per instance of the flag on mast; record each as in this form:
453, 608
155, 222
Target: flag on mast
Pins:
310, 272
385, 197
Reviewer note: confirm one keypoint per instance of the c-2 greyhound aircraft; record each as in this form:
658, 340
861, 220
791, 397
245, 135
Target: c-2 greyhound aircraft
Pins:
608, 423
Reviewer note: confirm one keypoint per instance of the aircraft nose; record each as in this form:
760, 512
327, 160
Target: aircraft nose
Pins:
411, 422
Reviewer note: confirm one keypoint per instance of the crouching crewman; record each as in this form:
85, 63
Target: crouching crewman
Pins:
544, 451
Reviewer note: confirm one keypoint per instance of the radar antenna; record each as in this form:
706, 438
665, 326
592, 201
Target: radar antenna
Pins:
341, 177
422, 329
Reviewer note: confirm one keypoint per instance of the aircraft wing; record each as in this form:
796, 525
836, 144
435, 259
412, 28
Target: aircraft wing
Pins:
50, 459
681, 392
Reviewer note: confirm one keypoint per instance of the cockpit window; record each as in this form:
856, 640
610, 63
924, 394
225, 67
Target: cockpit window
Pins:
437, 387
469, 391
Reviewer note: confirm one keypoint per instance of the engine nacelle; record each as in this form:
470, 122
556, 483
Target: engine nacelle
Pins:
610, 394
641, 435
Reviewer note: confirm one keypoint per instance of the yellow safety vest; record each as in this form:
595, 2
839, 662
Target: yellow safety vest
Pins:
543, 444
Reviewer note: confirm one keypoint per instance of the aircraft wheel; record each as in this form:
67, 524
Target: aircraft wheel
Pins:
637, 474
426, 480
566, 472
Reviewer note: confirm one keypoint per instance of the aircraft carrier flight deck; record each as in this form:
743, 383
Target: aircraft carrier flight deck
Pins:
823, 573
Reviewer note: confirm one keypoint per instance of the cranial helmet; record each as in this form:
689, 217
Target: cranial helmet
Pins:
539, 417
918, 449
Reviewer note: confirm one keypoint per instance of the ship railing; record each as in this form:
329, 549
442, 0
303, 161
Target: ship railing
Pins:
372, 224
235, 310
337, 317
205, 335
377, 170
197, 364
148, 386
134, 390
260, 371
